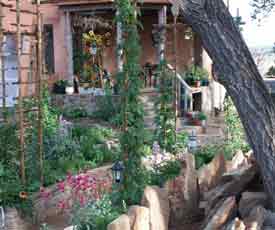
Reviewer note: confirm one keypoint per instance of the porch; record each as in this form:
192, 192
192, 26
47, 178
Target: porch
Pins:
96, 22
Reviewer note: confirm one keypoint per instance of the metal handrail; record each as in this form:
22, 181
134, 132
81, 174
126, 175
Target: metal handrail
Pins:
183, 82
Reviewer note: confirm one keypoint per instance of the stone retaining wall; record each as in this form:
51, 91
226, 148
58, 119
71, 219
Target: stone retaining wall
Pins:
88, 102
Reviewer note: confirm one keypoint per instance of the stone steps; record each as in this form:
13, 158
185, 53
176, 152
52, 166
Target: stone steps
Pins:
147, 98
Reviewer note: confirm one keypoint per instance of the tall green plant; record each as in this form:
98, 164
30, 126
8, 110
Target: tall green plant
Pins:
236, 139
131, 115
165, 119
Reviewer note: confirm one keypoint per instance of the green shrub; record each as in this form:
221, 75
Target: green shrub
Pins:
236, 138
75, 113
108, 107
206, 154
95, 215
161, 174
8, 144
92, 144
181, 142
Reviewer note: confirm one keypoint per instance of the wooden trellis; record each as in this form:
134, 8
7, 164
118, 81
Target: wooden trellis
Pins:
35, 68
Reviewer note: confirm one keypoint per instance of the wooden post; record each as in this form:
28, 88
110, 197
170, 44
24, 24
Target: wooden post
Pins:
69, 45
2, 65
118, 44
162, 21
20, 99
40, 89
185, 100
175, 88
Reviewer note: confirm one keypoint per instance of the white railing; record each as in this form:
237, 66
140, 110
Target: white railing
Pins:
188, 92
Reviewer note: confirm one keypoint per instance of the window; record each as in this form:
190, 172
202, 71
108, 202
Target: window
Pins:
49, 49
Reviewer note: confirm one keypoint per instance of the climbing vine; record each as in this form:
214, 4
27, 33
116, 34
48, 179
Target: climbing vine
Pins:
165, 112
131, 115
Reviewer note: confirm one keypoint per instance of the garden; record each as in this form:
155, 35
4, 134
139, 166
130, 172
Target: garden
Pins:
130, 156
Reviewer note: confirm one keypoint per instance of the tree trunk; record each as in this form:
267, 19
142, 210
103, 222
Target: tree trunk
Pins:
237, 71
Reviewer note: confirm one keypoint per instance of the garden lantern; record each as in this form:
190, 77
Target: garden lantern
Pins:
93, 48
188, 34
192, 141
117, 170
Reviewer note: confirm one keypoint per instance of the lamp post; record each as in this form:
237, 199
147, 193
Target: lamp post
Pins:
117, 171
192, 142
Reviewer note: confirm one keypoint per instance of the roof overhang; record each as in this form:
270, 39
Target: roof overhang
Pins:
78, 3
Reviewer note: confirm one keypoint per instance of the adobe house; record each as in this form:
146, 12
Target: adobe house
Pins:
60, 16
65, 22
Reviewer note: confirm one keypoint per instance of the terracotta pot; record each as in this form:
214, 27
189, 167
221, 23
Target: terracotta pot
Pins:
197, 84
188, 115
196, 122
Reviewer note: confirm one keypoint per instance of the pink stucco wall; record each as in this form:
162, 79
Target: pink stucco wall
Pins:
9, 24
53, 15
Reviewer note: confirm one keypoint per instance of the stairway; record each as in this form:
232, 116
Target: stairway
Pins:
214, 130
147, 98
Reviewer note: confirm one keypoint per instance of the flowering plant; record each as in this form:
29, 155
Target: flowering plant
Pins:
95, 215
77, 190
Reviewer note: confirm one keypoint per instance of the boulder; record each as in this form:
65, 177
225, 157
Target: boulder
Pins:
256, 218
210, 175
250, 157
139, 218
232, 184
236, 224
238, 160
70, 228
250, 200
221, 214
122, 222
183, 192
156, 200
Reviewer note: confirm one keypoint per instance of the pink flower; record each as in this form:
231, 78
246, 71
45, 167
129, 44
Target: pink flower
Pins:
61, 186
44, 194
62, 205
81, 200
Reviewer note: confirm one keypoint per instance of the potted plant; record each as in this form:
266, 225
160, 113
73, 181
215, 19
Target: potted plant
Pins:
196, 76
196, 121
59, 87
197, 81
204, 80
271, 72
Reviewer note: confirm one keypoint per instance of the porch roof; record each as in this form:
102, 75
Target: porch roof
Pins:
89, 2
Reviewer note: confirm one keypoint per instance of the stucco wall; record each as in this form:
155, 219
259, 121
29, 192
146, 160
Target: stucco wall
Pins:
53, 15
10, 59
